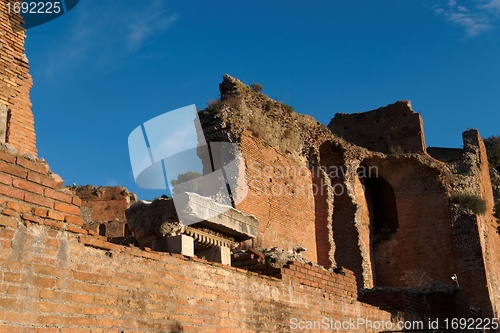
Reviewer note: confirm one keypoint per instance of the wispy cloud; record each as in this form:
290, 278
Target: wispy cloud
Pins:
102, 41
155, 22
475, 17
491, 5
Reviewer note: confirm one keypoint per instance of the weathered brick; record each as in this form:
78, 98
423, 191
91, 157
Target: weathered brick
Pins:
10, 212
27, 185
39, 167
87, 277
55, 215
76, 229
40, 212
12, 277
52, 294
41, 179
13, 170
94, 242
5, 179
32, 218
65, 208
42, 306
43, 282
18, 207
54, 224
11, 192
58, 195
36, 199
76, 220
4, 156
77, 201
82, 298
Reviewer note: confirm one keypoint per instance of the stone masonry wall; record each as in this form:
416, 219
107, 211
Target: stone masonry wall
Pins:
278, 146
394, 128
17, 122
55, 277
105, 206
280, 196
490, 238
477, 242
401, 254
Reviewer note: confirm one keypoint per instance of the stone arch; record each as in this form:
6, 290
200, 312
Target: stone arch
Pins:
384, 223
410, 223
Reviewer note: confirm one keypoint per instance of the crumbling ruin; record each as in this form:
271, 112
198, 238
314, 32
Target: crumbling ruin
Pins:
362, 207
156, 225
103, 209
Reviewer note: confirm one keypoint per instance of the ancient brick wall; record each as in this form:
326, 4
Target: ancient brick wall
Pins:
15, 84
276, 143
440, 304
477, 243
389, 217
103, 209
28, 190
55, 277
420, 228
490, 238
395, 128
280, 195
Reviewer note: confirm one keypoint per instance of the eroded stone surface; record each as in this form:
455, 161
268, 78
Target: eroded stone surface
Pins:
103, 208
395, 128
153, 220
216, 216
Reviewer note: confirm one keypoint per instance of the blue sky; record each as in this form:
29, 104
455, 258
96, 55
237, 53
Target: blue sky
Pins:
106, 67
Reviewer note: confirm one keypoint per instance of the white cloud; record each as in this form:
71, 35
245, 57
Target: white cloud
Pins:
438, 10
491, 5
472, 23
156, 22
102, 41
475, 19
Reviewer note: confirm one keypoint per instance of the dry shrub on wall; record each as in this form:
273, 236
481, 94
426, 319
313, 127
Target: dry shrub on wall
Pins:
469, 201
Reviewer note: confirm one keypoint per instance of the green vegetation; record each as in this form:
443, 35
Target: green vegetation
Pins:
469, 201
256, 87
269, 106
289, 108
493, 149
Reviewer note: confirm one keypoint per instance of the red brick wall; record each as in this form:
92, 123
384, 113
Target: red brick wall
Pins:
395, 127
479, 250
15, 84
280, 195
490, 238
105, 205
56, 278
424, 232
28, 191
424, 227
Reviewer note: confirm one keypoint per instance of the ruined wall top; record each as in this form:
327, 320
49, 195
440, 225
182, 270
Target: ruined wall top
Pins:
16, 119
395, 128
274, 122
